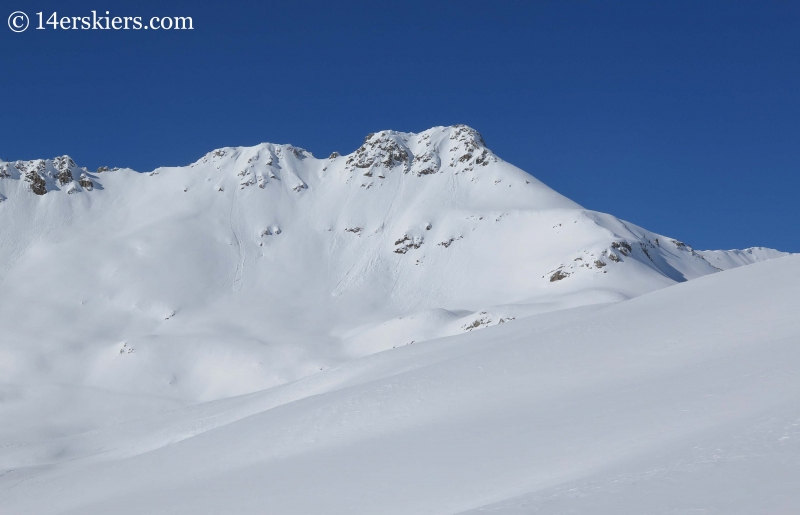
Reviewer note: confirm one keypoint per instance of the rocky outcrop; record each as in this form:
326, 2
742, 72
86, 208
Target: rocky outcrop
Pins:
428, 163
469, 149
33, 174
85, 182
63, 166
406, 243
383, 149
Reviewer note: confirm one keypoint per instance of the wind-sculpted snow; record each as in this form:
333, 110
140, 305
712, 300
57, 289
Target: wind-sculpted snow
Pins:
258, 266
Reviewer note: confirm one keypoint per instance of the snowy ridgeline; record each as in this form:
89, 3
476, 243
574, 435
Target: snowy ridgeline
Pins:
727, 259
257, 266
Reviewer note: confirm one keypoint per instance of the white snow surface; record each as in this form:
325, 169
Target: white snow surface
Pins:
416, 327
683, 400
727, 259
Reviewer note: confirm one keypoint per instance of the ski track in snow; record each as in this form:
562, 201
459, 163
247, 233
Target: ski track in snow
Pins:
236, 230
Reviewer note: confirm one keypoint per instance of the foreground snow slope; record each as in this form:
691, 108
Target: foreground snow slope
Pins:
683, 400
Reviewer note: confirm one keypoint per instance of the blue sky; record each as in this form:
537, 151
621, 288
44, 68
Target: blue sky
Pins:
682, 117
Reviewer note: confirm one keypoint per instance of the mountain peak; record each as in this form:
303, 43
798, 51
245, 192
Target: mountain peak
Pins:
422, 153
42, 175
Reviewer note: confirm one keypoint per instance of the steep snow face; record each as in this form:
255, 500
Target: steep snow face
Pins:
256, 266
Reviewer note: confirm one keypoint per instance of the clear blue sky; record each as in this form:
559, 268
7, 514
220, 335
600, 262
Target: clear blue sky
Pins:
682, 117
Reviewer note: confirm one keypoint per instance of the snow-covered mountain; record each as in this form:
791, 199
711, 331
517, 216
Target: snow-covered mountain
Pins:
255, 266
211, 338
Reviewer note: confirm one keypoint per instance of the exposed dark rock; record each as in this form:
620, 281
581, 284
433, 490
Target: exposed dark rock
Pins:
407, 244
483, 159
426, 163
382, 150
298, 152
474, 325
470, 144
33, 174
86, 183
270, 231
248, 178
64, 177
623, 247
37, 183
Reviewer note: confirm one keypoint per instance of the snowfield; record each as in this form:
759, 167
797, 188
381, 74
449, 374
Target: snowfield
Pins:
416, 327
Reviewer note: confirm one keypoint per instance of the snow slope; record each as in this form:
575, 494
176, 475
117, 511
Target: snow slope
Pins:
727, 259
685, 400
129, 294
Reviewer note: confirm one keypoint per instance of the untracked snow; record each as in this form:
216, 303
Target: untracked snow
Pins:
683, 400
727, 259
